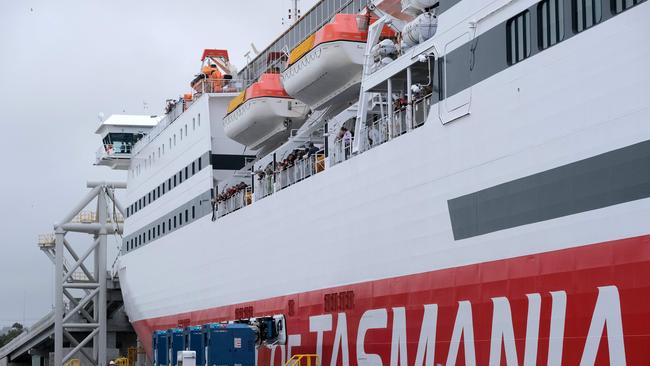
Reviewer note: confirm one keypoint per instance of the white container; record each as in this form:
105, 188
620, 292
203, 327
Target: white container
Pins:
415, 7
419, 30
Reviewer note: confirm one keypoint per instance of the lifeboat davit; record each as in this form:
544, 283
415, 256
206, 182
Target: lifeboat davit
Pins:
262, 116
325, 69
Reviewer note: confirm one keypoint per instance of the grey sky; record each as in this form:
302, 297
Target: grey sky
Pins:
63, 62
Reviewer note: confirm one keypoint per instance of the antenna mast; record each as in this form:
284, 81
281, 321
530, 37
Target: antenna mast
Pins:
294, 12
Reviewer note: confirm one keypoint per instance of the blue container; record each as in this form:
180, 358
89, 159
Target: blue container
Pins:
160, 348
177, 343
229, 344
195, 341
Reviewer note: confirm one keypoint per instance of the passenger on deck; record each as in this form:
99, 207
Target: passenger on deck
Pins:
291, 159
347, 141
374, 137
269, 169
311, 149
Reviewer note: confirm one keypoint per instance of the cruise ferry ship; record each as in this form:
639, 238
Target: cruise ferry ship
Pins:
446, 182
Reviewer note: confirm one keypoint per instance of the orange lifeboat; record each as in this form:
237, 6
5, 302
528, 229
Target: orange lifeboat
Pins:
326, 68
262, 116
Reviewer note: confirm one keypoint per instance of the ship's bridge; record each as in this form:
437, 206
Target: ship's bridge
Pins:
119, 133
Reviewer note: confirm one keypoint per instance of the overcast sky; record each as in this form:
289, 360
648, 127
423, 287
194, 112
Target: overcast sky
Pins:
64, 62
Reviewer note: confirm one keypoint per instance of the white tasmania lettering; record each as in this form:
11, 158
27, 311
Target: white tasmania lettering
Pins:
282, 353
371, 319
320, 324
532, 329
398, 340
427, 341
607, 313
293, 340
341, 341
502, 332
463, 326
558, 317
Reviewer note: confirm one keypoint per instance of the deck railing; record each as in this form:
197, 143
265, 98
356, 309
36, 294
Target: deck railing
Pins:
233, 203
379, 132
175, 108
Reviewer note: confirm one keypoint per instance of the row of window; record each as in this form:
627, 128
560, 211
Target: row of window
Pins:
166, 186
155, 230
550, 24
149, 160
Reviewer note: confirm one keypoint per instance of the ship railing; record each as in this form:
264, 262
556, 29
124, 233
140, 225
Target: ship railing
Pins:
233, 203
302, 169
220, 85
383, 130
116, 150
263, 187
341, 150
304, 360
175, 108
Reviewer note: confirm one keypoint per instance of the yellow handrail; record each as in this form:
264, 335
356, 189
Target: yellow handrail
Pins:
296, 360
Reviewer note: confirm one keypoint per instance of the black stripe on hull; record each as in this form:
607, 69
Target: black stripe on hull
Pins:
604, 180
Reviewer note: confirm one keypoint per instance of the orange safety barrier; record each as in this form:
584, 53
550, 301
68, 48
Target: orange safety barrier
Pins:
303, 360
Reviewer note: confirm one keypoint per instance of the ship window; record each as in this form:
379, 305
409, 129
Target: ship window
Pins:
620, 5
193, 170
193, 213
185, 130
180, 218
174, 139
170, 143
128, 210
586, 13
550, 17
180, 132
186, 216
518, 37
163, 227
169, 184
158, 191
198, 119
186, 171
169, 224
149, 236
174, 222
193, 124
149, 197
180, 176
174, 180
199, 163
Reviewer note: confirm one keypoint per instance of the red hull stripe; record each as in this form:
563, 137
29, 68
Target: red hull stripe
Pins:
591, 302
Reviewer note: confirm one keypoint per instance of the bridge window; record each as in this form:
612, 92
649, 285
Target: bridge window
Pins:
550, 19
586, 13
518, 37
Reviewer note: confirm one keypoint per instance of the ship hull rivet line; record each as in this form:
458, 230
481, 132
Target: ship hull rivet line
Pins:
82, 286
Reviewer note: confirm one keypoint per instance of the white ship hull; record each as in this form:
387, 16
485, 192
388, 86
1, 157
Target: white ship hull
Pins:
364, 260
